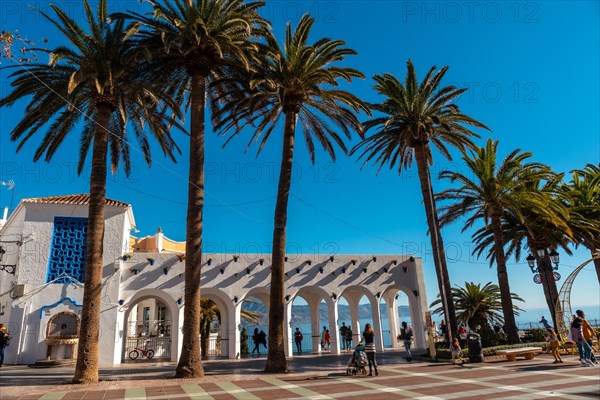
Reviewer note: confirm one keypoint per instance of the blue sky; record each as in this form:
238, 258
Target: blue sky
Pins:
532, 70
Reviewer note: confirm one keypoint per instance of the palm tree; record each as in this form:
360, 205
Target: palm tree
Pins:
487, 190
196, 43
582, 197
210, 311
535, 229
300, 82
99, 79
414, 117
476, 305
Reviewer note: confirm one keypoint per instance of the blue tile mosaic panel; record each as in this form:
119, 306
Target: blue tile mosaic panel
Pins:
68, 250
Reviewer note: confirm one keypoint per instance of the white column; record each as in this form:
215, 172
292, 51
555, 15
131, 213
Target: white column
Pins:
354, 323
392, 312
179, 334
376, 313
287, 330
420, 305
313, 306
417, 316
332, 306
120, 335
233, 331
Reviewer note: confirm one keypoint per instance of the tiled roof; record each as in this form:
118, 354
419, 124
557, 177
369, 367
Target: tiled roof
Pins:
74, 199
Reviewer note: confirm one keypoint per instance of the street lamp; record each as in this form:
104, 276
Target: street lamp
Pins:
542, 271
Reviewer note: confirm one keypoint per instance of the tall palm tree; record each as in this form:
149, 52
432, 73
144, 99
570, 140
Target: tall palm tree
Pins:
196, 43
297, 81
476, 305
416, 116
99, 79
486, 190
536, 228
582, 197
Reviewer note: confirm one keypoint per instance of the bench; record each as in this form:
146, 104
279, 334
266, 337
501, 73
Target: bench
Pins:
527, 352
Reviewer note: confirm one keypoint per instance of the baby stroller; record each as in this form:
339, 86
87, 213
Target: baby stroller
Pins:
358, 361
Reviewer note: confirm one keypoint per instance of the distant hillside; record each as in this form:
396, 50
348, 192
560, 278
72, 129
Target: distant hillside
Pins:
301, 313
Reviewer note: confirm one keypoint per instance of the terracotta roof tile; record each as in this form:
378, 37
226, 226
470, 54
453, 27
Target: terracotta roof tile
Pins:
74, 199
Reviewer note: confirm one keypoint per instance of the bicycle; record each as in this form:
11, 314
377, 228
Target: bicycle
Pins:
135, 353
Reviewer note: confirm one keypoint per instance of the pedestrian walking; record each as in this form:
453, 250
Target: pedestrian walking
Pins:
406, 335
455, 350
443, 329
588, 334
263, 338
323, 332
327, 340
343, 331
298, 340
434, 332
582, 347
552, 339
349, 338
256, 341
369, 339
4, 342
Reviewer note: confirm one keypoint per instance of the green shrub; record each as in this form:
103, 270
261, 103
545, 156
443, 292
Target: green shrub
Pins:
489, 338
538, 335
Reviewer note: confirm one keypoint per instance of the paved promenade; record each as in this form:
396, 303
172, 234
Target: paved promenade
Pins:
317, 378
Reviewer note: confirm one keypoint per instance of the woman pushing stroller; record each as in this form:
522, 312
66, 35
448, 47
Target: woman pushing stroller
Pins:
369, 339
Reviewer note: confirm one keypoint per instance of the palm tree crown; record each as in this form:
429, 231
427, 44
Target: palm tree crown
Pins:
298, 79
102, 68
490, 188
477, 305
415, 113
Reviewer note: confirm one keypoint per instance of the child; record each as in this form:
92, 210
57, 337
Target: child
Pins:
552, 338
327, 340
455, 349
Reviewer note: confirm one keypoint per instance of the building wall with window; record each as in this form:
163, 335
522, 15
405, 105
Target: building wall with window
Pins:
49, 260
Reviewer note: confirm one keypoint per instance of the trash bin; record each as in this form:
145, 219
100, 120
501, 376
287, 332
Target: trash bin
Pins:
475, 348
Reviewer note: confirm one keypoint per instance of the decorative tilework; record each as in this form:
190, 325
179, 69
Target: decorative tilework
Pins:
68, 250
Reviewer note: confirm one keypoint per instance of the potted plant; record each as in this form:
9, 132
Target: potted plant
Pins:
334, 295
365, 269
134, 271
127, 256
181, 257
166, 270
151, 260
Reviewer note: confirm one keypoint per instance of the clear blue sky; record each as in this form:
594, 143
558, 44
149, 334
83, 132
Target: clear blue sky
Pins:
533, 72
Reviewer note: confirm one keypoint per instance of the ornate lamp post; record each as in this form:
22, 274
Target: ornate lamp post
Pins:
545, 272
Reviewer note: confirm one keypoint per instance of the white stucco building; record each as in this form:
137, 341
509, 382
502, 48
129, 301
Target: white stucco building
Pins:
42, 269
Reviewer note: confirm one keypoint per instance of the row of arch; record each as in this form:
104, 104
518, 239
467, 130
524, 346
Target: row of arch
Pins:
231, 322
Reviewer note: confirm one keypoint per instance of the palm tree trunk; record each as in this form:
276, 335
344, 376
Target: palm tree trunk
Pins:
86, 370
205, 333
548, 282
276, 361
190, 364
436, 240
507, 304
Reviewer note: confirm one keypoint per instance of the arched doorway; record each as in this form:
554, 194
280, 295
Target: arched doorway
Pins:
150, 323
